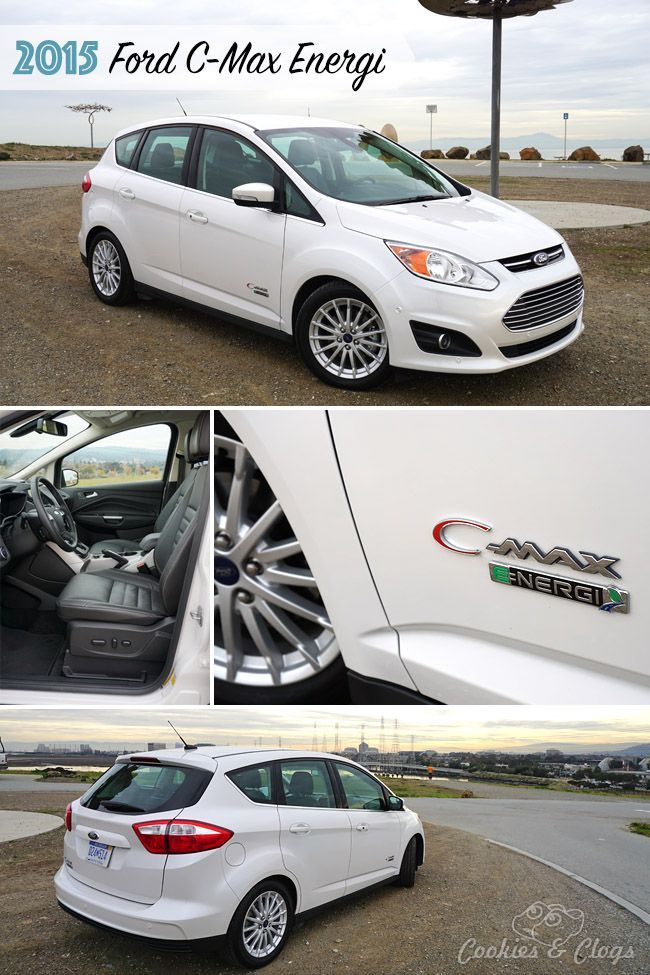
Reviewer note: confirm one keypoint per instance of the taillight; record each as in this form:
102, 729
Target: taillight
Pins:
68, 817
86, 183
180, 836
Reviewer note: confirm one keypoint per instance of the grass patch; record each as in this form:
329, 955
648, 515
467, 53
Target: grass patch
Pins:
421, 789
643, 829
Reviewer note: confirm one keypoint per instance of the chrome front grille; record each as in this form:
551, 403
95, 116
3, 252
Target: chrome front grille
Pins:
527, 262
546, 305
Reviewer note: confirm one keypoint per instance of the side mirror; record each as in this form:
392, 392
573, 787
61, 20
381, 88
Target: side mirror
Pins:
395, 804
70, 478
254, 195
54, 427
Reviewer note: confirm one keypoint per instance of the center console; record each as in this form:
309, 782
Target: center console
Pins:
124, 561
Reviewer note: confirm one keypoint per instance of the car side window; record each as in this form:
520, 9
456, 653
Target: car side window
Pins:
163, 153
307, 783
360, 790
130, 456
125, 146
226, 161
255, 782
296, 205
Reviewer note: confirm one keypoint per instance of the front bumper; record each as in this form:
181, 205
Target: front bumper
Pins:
177, 920
478, 315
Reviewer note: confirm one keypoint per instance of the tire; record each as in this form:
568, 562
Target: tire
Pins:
328, 687
105, 250
406, 875
357, 355
236, 944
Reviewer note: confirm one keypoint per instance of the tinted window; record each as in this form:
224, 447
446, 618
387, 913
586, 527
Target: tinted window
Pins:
163, 153
125, 147
226, 161
133, 788
254, 782
296, 204
361, 791
307, 783
122, 458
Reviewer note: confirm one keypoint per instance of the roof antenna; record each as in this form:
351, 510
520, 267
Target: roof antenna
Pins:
187, 747
184, 113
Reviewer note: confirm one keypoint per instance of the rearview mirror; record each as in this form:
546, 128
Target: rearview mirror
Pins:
395, 804
70, 477
54, 427
254, 195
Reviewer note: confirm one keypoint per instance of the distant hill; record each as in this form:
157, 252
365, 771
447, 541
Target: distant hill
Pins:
148, 456
638, 751
568, 748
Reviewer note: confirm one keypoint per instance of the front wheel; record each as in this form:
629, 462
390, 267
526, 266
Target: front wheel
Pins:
261, 925
342, 338
109, 271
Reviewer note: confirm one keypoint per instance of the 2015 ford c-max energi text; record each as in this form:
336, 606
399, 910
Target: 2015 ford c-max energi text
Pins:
178, 846
332, 236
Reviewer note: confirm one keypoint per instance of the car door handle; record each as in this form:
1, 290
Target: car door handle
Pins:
91, 494
197, 217
113, 518
127, 194
362, 828
300, 828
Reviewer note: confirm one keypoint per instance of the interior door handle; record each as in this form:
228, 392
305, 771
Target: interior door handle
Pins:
116, 519
197, 217
362, 827
300, 828
91, 494
127, 194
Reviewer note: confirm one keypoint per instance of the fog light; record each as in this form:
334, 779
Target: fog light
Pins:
444, 341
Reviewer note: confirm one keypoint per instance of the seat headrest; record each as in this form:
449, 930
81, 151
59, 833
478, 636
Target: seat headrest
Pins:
250, 778
302, 153
199, 439
162, 156
302, 784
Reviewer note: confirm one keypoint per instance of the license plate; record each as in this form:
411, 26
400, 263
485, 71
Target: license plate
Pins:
99, 853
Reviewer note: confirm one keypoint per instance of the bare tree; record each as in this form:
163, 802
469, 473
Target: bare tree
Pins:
90, 110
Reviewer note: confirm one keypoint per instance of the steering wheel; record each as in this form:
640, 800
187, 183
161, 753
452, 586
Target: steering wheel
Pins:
54, 514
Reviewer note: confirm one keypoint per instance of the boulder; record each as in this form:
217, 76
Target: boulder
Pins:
504, 155
634, 154
4, 156
530, 154
458, 152
484, 153
473, 156
584, 154
432, 154
390, 132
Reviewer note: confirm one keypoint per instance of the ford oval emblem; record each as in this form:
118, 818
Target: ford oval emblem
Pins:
540, 259
93, 835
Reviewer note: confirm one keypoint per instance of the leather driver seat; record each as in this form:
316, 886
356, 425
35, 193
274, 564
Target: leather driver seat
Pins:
114, 596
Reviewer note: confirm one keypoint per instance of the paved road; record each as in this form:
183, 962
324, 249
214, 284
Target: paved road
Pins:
30, 175
32, 783
16, 824
629, 172
587, 837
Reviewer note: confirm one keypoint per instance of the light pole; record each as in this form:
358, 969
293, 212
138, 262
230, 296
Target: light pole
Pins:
566, 119
496, 11
431, 110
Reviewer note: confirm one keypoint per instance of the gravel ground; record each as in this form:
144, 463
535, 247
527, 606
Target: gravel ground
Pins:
61, 345
468, 889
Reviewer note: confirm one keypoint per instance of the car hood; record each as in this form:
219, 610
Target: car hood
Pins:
477, 227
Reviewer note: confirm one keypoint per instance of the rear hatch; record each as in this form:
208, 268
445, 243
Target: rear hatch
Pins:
102, 849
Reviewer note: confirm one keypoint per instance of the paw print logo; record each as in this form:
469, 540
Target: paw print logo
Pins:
551, 925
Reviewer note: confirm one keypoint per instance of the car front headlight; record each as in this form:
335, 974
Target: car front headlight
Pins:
443, 267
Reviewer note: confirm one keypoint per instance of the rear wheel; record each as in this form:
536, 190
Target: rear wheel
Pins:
261, 925
109, 271
406, 875
342, 338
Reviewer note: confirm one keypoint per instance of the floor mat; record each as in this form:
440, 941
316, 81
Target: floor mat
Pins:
24, 654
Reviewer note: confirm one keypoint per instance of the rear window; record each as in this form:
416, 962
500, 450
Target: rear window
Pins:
125, 146
254, 782
131, 788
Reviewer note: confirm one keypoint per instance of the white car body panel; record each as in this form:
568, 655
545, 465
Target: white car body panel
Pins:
529, 474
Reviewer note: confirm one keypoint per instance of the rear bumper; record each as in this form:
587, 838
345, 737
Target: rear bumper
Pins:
175, 921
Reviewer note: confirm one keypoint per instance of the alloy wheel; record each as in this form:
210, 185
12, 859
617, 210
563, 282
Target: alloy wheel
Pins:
106, 267
347, 338
265, 924
271, 626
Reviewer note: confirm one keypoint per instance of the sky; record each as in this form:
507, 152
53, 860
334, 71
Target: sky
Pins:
588, 57
469, 728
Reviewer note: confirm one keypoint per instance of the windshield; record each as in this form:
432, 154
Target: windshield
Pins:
16, 452
358, 166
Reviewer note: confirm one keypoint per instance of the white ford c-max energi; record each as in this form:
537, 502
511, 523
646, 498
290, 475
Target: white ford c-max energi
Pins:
179, 846
332, 236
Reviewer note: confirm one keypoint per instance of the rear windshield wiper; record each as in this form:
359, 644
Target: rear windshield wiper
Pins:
114, 806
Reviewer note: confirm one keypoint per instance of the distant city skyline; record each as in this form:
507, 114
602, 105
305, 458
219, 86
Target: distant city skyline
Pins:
470, 728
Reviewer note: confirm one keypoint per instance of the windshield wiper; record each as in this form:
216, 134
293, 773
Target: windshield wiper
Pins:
114, 806
413, 199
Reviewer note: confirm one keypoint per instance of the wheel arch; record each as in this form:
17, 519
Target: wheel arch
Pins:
419, 849
308, 287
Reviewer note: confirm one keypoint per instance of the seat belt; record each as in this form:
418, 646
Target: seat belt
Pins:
172, 485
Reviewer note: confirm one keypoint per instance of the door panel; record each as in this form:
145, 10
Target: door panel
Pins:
375, 832
559, 479
115, 511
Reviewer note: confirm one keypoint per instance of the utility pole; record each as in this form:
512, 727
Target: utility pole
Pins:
431, 110
566, 119
497, 44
